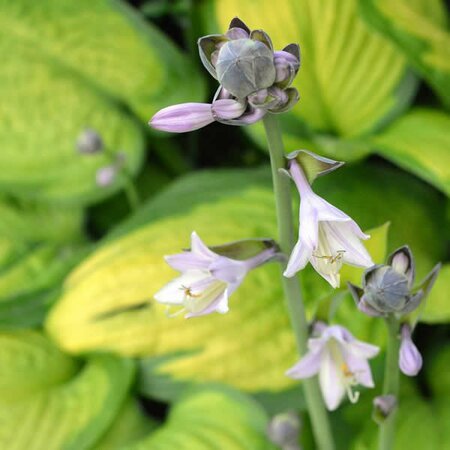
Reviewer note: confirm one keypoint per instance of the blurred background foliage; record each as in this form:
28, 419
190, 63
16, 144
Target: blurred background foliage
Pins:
89, 361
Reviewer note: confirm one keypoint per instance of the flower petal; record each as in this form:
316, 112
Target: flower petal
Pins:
187, 261
307, 366
228, 270
200, 248
341, 237
330, 380
173, 293
299, 258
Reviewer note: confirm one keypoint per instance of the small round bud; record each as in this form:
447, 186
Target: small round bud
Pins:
245, 66
283, 430
383, 406
106, 176
89, 142
386, 290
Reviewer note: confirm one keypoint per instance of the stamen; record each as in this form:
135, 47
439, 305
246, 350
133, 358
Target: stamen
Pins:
188, 292
353, 396
330, 258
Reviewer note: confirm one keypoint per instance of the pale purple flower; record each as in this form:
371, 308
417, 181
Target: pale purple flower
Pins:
207, 278
341, 362
254, 80
328, 237
410, 359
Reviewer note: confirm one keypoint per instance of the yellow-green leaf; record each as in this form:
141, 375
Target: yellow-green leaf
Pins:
48, 402
437, 306
67, 65
211, 419
419, 30
130, 425
420, 142
351, 79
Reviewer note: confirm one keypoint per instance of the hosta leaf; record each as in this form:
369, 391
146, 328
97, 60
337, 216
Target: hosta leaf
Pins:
420, 142
31, 363
30, 281
351, 79
107, 301
62, 71
53, 404
129, 426
419, 30
30, 222
211, 419
437, 308
439, 364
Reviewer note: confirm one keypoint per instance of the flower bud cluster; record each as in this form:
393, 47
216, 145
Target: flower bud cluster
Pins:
254, 80
388, 288
250, 71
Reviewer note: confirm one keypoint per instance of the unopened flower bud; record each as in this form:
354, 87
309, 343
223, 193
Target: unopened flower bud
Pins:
89, 142
410, 359
227, 109
283, 430
106, 176
383, 406
388, 289
182, 118
245, 66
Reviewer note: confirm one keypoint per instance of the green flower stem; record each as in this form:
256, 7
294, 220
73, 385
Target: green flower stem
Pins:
291, 286
131, 192
391, 382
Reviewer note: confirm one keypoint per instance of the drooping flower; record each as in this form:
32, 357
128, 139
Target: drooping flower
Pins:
388, 289
328, 237
341, 362
209, 277
410, 359
254, 80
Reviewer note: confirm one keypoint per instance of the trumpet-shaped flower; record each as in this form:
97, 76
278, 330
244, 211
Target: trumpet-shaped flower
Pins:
328, 237
341, 362
208, 278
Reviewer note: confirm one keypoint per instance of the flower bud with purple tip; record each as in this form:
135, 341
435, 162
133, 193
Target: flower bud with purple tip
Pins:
388, 288
254, 80
383, 406
410, 359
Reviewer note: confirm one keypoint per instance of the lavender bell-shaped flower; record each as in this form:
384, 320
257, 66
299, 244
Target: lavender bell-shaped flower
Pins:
388, 288
341, 362
410, 359
254, 80
328, 237
210, 275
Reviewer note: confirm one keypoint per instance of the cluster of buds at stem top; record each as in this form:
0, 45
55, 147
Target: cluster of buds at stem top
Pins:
388, 288
254, 80
328, 237
210, 275
340, 360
